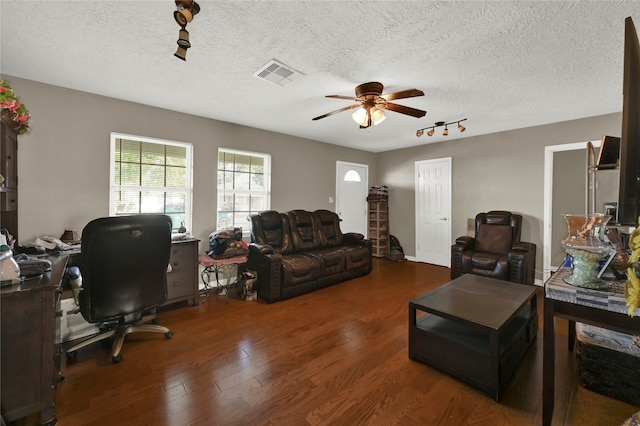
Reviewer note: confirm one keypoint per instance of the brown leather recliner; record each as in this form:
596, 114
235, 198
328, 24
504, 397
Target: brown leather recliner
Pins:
301, 251
496, 250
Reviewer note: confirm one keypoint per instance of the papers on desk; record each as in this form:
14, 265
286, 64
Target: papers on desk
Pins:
180, 236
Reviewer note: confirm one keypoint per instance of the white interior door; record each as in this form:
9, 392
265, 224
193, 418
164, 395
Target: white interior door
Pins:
352, 186
433, 211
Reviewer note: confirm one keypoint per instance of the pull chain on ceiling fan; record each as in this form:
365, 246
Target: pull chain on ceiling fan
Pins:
372, 103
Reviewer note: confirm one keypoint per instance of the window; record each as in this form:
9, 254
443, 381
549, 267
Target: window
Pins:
243, 186
151, 176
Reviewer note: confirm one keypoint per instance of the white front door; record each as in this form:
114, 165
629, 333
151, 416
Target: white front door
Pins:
433, 211
352, 183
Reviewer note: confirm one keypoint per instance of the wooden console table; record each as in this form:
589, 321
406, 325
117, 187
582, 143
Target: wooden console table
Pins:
606, 309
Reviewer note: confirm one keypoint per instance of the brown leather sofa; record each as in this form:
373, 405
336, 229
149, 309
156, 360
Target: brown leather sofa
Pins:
301, 251
496, 250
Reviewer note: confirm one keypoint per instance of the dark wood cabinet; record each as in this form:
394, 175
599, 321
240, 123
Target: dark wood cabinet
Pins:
182, 280
9, 170
29, 361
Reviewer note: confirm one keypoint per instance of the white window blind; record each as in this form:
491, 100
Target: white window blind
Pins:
243, 186
151, 176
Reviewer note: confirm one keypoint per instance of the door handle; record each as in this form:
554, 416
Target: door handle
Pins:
443, 218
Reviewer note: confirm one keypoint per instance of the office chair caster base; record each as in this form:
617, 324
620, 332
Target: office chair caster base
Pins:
72, 355
168, 335
116, 359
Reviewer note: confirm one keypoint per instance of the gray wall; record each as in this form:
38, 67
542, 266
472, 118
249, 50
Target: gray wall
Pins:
64, 160
501, 171
64, 164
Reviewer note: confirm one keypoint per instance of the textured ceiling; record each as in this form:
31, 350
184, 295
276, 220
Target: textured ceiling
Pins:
503, 65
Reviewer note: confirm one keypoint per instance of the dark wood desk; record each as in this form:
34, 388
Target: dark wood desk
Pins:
182, 280
29, 360
606, 309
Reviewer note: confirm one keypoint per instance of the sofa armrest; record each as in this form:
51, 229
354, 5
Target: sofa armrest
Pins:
462, 243
522, 260
465, 242
523, 247
353, 236
263, 249
268, 265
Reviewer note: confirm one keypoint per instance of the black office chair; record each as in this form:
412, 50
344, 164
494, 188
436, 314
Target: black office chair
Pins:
124, 266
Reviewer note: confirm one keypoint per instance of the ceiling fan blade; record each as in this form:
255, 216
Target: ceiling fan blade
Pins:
351, 98
405, 110
336, 111
410, 93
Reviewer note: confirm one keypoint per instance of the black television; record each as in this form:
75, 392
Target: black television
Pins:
609, 154
629, 190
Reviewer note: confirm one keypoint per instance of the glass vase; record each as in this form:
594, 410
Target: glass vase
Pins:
586, 245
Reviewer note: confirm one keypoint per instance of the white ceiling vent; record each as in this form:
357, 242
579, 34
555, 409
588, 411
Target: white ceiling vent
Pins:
277, 73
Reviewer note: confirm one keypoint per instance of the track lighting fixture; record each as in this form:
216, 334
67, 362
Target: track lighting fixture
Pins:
186, 10
445, 132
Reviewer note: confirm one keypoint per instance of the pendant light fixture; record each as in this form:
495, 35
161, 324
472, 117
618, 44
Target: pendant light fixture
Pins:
445, 132
186, 10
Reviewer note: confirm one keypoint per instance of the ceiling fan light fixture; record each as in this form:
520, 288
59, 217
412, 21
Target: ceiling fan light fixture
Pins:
360, 116
377, 115
372, 103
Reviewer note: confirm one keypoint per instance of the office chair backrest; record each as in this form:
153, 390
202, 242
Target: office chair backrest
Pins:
124, 265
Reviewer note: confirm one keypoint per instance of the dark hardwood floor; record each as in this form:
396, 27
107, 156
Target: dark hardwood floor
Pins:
336, 356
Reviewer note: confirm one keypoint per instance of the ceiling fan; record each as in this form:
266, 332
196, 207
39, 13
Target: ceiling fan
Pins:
372, 104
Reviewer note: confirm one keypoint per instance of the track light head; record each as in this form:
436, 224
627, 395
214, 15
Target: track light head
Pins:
445, 132
461, 128
420, 133
431, 132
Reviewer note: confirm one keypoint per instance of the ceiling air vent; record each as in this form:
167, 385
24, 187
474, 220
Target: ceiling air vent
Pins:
277, 73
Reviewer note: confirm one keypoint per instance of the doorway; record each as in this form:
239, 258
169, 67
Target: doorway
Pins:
352, 183
565, 189
433, 211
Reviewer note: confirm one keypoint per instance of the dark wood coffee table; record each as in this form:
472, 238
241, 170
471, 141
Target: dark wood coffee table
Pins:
474, 328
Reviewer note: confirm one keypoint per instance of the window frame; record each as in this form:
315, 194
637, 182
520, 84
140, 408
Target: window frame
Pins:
266, 192
187, 190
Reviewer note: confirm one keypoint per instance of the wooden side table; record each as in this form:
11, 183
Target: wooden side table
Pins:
606, 309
